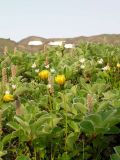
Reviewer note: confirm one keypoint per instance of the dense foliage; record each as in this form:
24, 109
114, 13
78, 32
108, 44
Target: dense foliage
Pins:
60, 104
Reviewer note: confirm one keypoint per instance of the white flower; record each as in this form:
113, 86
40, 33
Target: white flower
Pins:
36, 70
33, 65
118, 65
49, 86
82, 60
7, 92
47, 66
82, 66
100, 61
106, 68
13, 86
52, 70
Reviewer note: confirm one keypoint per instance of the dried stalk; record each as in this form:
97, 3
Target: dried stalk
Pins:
4, 76
13, 70
5, 50
46, 61
15, 49
89, 102
18, 107
51, 84
1, 121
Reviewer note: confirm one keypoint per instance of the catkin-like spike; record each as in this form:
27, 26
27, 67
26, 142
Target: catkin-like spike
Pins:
4, 75
13, 70
50, 84
15, 49
5, 50
72, 52
18, 107
46, 61
45, 47
89, 102
1, 122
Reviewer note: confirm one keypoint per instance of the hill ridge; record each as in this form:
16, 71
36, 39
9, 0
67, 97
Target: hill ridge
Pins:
22, 45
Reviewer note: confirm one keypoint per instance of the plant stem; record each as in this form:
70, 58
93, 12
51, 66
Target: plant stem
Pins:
52, 157
83, 150
66, 127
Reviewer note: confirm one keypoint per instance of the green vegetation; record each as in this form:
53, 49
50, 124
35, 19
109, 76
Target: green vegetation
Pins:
69, 111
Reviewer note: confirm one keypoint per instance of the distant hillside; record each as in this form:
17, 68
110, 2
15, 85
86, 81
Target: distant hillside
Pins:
7, 42
23, 44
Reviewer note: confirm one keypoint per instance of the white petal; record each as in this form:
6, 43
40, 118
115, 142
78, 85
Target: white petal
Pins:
7, 92
47, 66
82, 60
36, 70
13, 86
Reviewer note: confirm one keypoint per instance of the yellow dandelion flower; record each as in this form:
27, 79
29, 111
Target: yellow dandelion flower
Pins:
8, 97
60, 79
44, 74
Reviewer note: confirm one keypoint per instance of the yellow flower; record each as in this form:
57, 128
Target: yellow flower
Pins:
118, 65
8, 97
60, 79
44, 74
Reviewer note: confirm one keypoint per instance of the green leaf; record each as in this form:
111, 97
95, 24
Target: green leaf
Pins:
87, 126
64, 156
115, 157
71, 140
23, 123
22, 158
74, 110
54, 121
95, 118
74, 126
22, 90
114, 130
74, 90
14, 125
1, 145
40, 124
2, 153
117, 150
80, 107
8, 138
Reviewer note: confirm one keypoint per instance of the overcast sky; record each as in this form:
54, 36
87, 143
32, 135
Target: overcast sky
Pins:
58, 18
